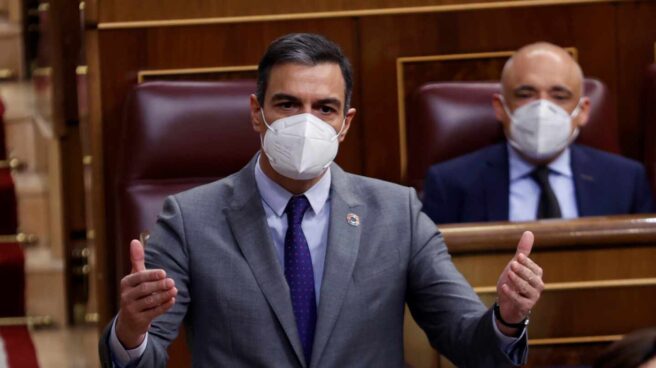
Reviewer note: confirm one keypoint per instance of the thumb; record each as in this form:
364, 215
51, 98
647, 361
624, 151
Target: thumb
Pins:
137, 256
525, 244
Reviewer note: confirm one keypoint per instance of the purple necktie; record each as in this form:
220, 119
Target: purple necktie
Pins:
299, 274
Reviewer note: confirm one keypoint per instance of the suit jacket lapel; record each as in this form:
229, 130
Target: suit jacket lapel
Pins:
248, 223
341, 254
585, 182
496, 184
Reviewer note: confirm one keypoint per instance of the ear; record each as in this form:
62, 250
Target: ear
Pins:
350, 114
584, 114
256, 115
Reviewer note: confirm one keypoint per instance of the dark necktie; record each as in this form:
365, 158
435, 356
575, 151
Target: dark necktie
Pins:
299, 274
548, 205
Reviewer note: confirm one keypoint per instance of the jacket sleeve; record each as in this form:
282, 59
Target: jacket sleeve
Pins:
445, 306
166, 249
643, 201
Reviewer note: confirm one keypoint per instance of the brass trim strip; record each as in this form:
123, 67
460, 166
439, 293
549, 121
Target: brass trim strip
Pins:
574, 340
7, 74
81, 69
346, 13
449, 57
581, 285
30, 321
221, 69
20, 238
91, 317
13, 163
42, 72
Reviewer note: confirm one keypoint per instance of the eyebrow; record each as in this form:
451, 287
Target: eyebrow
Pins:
330, 101
561, 89
324, 101
524, 88
529, 88
284, 97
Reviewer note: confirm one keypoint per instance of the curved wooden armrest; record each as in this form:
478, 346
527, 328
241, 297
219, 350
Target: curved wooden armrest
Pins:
582, 232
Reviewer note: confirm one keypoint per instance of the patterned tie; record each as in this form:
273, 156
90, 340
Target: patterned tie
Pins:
548, 206
299, 274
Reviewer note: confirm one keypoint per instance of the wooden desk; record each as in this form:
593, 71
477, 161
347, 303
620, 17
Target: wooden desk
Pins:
600, 282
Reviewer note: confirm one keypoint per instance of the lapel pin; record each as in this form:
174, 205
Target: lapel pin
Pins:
353, 219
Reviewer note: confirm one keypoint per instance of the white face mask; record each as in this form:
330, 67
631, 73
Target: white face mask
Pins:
300, 146
541, 129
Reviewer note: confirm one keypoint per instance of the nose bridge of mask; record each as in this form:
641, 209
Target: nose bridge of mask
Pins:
305, 119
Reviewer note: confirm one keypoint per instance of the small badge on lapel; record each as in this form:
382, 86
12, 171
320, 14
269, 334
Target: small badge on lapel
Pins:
353, 219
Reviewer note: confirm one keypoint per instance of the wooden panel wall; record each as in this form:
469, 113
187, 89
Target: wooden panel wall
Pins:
614, 40
157, 10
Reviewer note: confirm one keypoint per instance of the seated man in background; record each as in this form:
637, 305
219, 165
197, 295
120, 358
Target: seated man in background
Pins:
538, 173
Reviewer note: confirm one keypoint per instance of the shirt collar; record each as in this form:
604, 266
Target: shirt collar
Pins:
520, 168
277, 197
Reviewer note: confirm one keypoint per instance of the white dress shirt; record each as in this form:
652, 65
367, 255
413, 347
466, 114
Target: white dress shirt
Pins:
525, 192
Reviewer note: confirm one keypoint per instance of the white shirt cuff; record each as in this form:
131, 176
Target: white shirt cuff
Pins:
506, 343
120, 355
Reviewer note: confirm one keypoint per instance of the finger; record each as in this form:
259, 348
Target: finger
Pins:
154, 300
159, 310
137, 257
521, 286
520, 305
528, 262
524, 272
135, 279
147, 288
525, 244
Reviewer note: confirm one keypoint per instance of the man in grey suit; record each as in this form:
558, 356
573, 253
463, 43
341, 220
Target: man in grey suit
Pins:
291, 262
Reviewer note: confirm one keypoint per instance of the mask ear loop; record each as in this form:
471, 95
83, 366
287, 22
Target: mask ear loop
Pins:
574, 114
340, 130
264, 120
505, 107
262, 135
577, 109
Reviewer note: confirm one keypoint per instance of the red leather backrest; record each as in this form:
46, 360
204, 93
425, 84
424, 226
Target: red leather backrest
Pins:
447, 120
177, 135
648, 121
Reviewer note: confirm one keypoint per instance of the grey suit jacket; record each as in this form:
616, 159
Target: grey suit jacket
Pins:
214, 242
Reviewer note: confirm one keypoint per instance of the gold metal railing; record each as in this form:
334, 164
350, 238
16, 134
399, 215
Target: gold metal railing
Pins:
29, 321
20, 238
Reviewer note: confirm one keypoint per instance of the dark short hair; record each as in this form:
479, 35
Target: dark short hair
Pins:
634, 349
307, 49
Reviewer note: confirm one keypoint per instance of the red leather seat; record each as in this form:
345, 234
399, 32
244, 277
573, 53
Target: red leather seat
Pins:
446, 120
177, 135
648, 121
